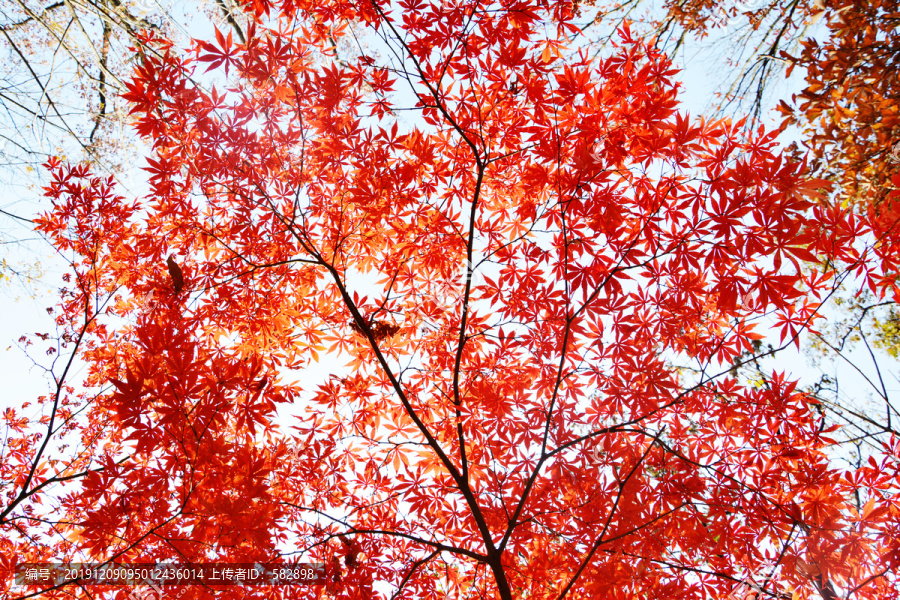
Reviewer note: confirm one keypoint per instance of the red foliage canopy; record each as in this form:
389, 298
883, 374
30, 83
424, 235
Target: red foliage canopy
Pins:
540, 272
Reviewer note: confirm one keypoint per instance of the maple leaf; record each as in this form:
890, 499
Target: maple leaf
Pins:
216, 56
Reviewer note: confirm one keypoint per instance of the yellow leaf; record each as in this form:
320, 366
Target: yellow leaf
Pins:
547, 54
